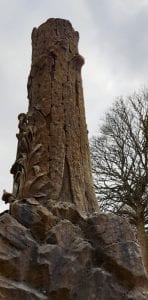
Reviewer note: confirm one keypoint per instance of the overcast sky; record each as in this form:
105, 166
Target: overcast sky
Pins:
113, 40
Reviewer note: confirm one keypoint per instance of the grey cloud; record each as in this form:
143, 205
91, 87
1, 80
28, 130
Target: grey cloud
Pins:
122, 36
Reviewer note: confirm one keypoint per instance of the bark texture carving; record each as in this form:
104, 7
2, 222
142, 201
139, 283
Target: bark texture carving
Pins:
53, 152
54, 245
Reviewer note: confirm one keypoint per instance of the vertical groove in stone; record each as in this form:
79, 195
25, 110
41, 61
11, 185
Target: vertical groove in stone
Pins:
59, 166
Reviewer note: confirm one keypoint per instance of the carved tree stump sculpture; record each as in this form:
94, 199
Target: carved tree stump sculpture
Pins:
53, 152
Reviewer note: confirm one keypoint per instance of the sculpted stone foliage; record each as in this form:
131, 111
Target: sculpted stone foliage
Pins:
26, 169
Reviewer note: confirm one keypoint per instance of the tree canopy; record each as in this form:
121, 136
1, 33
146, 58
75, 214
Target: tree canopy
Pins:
119, 155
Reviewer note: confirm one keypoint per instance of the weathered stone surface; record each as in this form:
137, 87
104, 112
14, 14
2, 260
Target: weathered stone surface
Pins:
10, 289
64, 210
33, 215
74, 262
118, 244
54, 244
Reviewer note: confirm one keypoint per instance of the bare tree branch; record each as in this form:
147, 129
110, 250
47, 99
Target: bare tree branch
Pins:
119, 155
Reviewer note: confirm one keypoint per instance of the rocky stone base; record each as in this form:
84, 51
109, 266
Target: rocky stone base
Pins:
51, 252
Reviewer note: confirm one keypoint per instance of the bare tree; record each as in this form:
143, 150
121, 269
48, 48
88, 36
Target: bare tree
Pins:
119, 155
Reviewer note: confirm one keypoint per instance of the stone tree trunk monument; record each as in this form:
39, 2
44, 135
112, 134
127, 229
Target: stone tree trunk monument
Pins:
53, 152
54, 243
